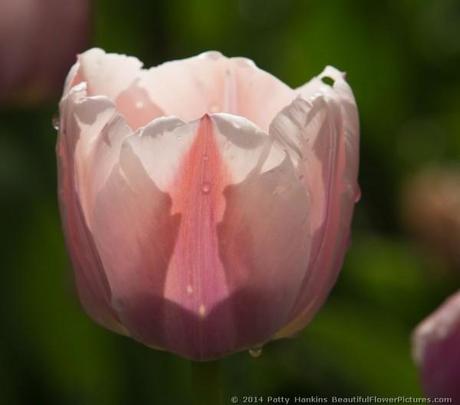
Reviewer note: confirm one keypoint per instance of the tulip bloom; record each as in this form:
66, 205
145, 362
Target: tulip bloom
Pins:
436, 343
206, 205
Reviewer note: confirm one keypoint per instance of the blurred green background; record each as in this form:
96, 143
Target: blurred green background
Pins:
402, 60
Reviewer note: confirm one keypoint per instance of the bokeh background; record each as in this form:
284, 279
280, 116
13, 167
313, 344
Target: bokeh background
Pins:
402, 60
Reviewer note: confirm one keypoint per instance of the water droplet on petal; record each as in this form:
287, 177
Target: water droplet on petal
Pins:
357, 194
255, 352
206, 187
139, 104
55, 122
202, 311
205, 157
214, 108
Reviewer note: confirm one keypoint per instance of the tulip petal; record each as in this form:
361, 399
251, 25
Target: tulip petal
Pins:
99, 129
211, 83
187, 290
436, 348
117, 77
108, 74
136, 231
92, 286
263, 267
322, 136
188, 88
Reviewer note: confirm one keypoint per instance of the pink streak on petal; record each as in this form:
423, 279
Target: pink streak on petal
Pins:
196, 277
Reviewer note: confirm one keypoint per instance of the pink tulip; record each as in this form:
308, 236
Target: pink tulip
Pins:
206, 205
437, 351
38, 43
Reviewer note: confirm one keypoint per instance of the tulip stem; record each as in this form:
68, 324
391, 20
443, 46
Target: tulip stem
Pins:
206, 382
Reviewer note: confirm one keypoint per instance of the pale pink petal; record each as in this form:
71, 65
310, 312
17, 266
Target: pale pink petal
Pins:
117, 77
211, 83
196, 260
100, 131
136, 232
264, 237
237, 194
260, 96
323, 134
137, 107
91, 281
436, 345
108, 74
187, 88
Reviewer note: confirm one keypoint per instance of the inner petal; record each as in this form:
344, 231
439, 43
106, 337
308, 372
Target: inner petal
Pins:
211, 83
188, 88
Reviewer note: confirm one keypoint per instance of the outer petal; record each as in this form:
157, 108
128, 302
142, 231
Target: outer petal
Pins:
264, 266
78, 122
196, 263
436, 344
187, 88
322, 136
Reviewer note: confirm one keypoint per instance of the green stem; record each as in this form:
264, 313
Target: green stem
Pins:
206, 382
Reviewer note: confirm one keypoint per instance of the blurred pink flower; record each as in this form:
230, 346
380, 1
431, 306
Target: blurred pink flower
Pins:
206, 205
39, 40
436, 344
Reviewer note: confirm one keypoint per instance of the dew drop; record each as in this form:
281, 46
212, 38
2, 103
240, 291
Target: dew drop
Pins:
55, 122
358, 194
206, 187
139, 104
205, 157
214, 108
255, 352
